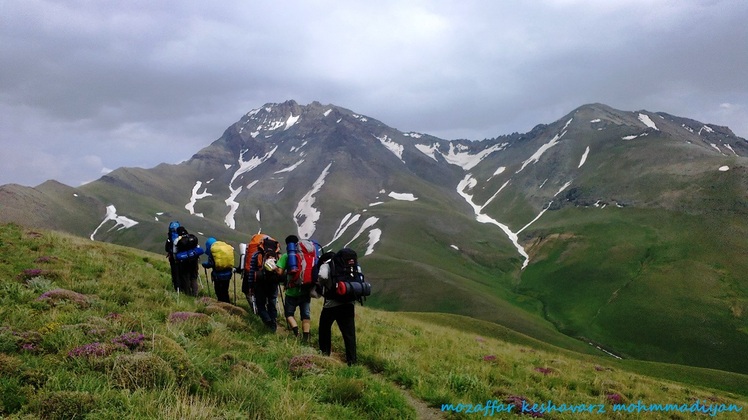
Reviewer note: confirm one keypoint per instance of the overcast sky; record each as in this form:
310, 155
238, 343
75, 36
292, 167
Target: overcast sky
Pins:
90, 86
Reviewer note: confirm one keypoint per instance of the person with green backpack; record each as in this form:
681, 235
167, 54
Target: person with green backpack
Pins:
221, 261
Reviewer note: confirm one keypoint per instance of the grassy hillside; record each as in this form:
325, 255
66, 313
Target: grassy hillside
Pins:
93, 330
599, 283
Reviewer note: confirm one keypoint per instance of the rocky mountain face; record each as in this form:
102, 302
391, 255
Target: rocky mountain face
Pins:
566, 228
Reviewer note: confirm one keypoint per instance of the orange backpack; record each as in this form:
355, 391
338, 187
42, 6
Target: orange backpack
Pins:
266, 247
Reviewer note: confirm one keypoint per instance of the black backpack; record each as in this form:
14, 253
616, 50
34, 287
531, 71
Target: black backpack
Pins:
268, 248
347, 280
186, 242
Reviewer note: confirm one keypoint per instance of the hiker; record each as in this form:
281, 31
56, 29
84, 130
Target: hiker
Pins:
342, 283
297, 293
221, 261
186, 256
171, 250
261, 280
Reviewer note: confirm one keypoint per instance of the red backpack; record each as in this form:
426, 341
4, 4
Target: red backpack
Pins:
302, 266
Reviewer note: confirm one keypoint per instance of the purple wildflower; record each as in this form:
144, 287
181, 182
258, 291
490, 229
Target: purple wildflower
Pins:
543, 370
131, 340
515, 399
30, 347
43, 259
306, 363
489, 358
113, 316
96, 331
94, 349
30, 273
519, 402
184, 316
57, 295
614, 398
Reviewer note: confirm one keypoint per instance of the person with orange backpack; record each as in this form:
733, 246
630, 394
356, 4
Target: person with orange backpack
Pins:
260, 278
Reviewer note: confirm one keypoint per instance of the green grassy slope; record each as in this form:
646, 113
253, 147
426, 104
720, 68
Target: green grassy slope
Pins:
93, 330
648, 284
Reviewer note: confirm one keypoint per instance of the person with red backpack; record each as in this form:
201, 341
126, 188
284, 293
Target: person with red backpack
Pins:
299, 263
261, 280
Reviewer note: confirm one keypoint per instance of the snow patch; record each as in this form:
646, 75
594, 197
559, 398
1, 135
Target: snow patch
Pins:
291, 121
121, 221
468, 182
367, 224
536, 156
724, 168
392, 146
326, 113
731, 149
290, 168
248, 165
647, 121
563, 187
429, 151
459, 155
584, 157
306, 215
402, 196
343, 226
455, 247
374, 236
196, 196
706, 128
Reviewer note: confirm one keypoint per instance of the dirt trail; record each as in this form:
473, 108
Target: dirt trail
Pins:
423, 411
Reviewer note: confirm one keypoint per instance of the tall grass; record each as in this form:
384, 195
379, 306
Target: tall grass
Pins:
92, 330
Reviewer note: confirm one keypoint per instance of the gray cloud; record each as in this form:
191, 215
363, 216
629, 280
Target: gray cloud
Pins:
88, 86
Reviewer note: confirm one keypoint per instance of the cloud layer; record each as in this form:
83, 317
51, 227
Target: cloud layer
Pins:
88, 86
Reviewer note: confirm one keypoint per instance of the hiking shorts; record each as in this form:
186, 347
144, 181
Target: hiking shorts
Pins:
302, 302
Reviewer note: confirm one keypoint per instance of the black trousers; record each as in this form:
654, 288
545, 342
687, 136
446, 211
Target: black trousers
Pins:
187, 276
344, 315
267, 303
222, 290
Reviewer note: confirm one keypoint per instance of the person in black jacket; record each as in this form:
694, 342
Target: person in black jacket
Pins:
337, 309
261, 281
187, 269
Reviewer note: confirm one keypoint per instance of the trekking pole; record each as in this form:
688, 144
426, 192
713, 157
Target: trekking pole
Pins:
234, 279
283, 300
206, 281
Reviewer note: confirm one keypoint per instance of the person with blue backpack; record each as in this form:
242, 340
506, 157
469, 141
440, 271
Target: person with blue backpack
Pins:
183, 252
171, 250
